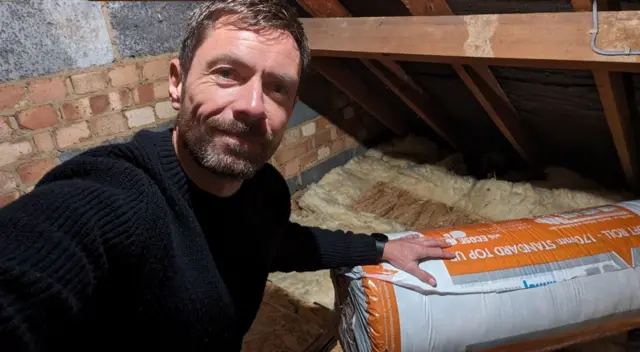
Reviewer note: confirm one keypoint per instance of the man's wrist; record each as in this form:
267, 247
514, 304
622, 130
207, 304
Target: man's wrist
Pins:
380, 241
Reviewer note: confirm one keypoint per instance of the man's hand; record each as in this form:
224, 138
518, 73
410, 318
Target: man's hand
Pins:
407, 252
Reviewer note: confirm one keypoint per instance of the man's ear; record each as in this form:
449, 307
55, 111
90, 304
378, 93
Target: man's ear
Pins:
175, 84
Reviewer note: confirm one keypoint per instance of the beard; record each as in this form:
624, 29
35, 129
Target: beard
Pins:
229, 148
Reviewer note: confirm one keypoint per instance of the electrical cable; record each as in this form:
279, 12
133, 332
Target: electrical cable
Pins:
594, 34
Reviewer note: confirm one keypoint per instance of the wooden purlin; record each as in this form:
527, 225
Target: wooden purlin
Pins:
396, 79
484, 86
613, 97
543, 40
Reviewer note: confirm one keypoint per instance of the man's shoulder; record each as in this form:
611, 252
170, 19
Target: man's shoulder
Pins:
107, 163
269, 176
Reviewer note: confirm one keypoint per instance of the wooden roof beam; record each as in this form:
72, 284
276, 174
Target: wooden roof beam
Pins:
352, 86
389, 72
484, 86
613, 96
544, 40
616, 110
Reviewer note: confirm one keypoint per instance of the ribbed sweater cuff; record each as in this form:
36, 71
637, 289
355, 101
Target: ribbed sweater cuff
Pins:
346, 249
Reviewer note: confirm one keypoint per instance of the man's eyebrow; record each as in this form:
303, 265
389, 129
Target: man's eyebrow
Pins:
225, 58
284, 78
236, 61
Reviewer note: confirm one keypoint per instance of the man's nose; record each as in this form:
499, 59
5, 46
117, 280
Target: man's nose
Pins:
249, 102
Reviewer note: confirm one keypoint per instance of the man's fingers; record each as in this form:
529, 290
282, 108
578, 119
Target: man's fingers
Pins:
435, 242
422, 275
436, 253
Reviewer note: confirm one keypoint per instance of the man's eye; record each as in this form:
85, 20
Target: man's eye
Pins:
280, 89
225, 73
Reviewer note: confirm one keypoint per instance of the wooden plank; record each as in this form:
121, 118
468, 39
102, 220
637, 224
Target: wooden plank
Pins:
616, 110
418, 102
353, 86
428, 7
603, 5
500, 111
491, 94
613, 97
546, 40
402, 85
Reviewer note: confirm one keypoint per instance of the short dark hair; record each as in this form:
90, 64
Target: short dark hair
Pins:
250, 15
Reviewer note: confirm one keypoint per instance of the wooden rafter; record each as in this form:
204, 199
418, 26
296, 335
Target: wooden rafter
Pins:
616, 110
484, 86
544, 40
353, 86
389, 72
613, 97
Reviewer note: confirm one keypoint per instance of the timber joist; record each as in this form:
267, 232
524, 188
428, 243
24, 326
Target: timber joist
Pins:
473, 43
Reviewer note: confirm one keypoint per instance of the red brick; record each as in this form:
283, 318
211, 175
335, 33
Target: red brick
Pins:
5, 199
323, 123
5, 128
334, 133
10, 96
99, 104
32, 172
140, 117
350, 142
337, 146
322, 138
124, 75
308, 160
73, 134
76, 110
291, 136
11, 152
90, 82
291, 168
155, 69
43, 141
37, 118
287, 153
120, 99
109, 125
47, 90
7, 181
161, 89
144, 93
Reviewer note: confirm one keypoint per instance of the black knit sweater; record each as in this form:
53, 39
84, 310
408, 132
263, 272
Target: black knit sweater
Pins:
116, 249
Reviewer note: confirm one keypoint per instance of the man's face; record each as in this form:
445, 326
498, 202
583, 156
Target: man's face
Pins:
237, 99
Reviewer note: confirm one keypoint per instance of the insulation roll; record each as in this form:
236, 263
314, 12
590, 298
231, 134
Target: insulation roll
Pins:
529, 284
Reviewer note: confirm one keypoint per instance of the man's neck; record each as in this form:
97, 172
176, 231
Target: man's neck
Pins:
206, 180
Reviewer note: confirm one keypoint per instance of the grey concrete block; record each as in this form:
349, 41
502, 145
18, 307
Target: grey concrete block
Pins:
292, 183
301, 113
68, 155
148, 28
46, 36
315, 173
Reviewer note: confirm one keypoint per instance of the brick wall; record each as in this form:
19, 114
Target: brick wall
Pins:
48, 119
101, 75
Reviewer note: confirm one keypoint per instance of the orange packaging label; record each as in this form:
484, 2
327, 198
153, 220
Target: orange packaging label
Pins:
523, 242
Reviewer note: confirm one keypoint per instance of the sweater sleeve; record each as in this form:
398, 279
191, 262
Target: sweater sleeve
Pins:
55, 248
305, 248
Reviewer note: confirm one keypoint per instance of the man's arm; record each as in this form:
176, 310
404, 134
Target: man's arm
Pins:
305, 248
54, 245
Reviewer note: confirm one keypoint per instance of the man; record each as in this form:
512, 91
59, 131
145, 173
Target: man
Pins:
165, 242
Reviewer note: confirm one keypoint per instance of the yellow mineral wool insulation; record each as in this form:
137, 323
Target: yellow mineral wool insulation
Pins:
490, 198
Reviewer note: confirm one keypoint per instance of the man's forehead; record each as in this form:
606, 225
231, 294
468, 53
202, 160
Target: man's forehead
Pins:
269, 47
